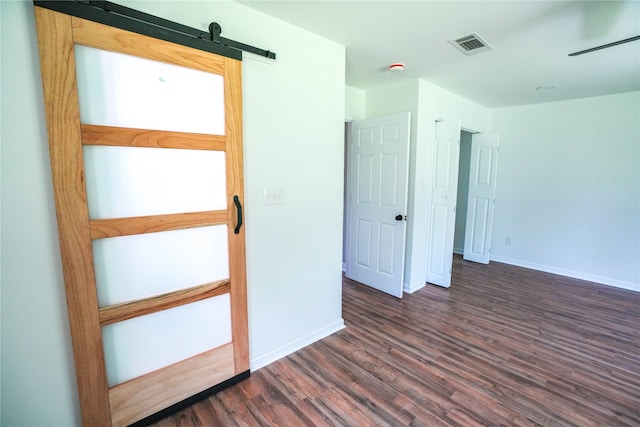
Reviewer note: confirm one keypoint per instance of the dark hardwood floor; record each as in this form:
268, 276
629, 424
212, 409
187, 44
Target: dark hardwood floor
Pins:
503, 346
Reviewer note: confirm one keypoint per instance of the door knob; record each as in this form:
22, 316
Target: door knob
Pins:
398, 217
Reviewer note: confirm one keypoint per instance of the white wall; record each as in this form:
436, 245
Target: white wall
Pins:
1, 36
354, 103
294, 111
38, 380
446, 105
568, 189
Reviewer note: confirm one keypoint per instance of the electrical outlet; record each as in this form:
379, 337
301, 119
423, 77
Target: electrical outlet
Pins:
507, 240
274, 195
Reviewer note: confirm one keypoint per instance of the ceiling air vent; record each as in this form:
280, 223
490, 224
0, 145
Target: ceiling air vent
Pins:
471, 44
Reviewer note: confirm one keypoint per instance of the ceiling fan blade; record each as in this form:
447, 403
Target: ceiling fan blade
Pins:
604, 46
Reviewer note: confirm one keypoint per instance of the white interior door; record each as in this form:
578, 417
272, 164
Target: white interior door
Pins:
482, 189
444, 191
378, 179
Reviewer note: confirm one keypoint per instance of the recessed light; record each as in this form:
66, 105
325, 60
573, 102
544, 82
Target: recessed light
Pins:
547, 87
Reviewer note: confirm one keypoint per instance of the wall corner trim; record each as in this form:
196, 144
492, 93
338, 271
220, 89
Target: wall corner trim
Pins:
295, 345
412, 287
569, 273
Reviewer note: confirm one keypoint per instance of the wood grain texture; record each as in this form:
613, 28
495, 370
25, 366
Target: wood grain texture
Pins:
104, 37
114, 227
131, 137
235, 187
504, 346
143, 396
57, 63
126, 403
129, 310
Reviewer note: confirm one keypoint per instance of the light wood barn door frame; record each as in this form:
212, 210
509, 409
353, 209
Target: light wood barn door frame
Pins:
121, 404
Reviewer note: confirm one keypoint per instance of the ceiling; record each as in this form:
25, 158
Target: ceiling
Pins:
531, 41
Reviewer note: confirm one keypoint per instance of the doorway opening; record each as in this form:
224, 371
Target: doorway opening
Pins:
345, 217
463, 191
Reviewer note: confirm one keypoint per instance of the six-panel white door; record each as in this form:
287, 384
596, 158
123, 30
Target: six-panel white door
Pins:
377, 197
482, 190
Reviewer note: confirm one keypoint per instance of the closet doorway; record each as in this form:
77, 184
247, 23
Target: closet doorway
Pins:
463, 191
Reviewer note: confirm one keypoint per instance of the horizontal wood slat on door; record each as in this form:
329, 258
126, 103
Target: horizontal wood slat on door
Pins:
143, 396
114, 227
104, 37
131, 137
129, 310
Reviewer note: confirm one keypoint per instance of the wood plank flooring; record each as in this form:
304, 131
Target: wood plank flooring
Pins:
503, 346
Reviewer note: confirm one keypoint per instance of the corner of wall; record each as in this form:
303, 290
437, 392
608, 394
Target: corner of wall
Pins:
410, 288
355, 101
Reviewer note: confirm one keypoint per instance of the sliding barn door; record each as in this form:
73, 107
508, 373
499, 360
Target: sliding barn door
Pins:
145, 143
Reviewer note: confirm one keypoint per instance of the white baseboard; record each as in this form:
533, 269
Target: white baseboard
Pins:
282, 351
412, 287
344, 266
569, 273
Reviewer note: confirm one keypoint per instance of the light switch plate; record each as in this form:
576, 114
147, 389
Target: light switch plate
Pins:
274, 195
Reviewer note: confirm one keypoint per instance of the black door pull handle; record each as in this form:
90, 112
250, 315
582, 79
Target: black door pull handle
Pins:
398, 217
236, 201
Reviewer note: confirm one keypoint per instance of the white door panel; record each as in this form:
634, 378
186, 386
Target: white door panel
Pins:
364, 232
151, 97
443, 202
130, 268
378, 180
144, 344
482, 189
135, 181
386, 248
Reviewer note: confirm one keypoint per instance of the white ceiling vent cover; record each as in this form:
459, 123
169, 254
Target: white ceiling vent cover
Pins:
471, 44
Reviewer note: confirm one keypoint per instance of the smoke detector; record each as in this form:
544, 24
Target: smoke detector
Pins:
397, 67
471, 44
